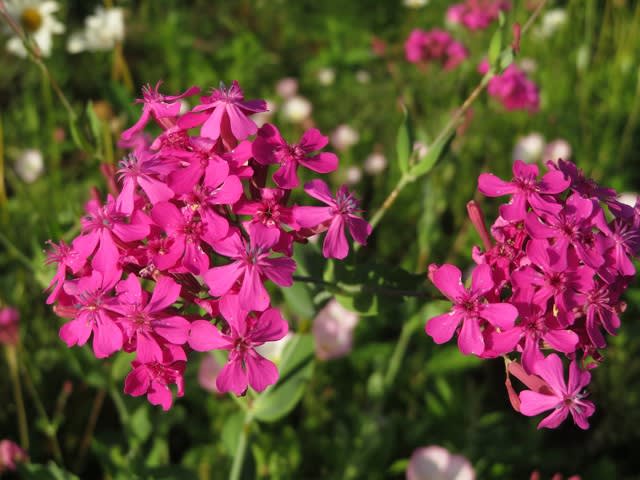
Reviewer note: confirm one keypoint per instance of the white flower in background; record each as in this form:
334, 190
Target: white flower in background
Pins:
437, 463
528, 65
375, 163
287, 87
344, 137
529, 148
273, 350
326, 76
628, 198
29, 165
261, 118
333, 331
557, 149
420, 149
296, 109
363, 77
551, 22
102, 31
353, 175
37, 20
414, 3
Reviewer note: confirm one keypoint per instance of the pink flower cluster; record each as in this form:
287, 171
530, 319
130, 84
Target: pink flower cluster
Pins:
550, 277
178, 255
434, 46
513, 88
477, 14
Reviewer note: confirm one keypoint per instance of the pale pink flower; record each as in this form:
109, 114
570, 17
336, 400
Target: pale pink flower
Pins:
333, 331
208, 373
10, 455
437, 463
9, 326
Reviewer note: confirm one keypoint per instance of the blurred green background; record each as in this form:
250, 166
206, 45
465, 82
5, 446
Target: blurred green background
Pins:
588, 73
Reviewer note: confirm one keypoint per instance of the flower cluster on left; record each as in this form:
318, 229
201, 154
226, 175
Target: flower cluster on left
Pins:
177, 257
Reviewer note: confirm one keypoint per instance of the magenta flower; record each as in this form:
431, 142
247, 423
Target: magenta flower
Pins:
144, 171
270, 148
469, 308
477, 14
162, 108
435, 45
563, 398
526, 189
148, 323
10, 455
245, 367
251, 265
67, 260
9, 326
91, 298
153, 379
225, 105
341, 211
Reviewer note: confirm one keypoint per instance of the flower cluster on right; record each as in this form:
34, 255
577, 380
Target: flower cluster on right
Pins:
550, 278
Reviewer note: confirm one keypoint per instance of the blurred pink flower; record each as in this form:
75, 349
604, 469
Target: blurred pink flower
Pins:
557, 149
10, 455
287, 87
437, 463
476, 14
208, 373
9, 323
333, 331
513, 88
344, 137
434, 45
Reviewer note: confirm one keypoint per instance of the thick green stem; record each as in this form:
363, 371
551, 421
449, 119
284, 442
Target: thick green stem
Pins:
241, 449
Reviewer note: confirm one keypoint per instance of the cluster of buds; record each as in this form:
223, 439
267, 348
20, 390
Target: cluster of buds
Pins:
434, 46
477, 14
550, 277
177, 256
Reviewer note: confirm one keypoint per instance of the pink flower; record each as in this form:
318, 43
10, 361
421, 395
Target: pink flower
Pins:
162, 108
148, 323
341, 211
67, 259
469, 308
526, 189
154, 378
270, 148
144, 171
514, 89
251, 265
437, 463
10, 455
246, 332
9, 326
91, 296
563, 398
434, 45
226, 108
477, 14
333, 331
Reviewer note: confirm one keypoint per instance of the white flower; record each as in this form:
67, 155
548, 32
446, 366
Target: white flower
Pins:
273, 350
287, 87
326, 76
29, 165
261, 118
333, 331
437, 463
37, 20
557, 149
551, 22
529, 148
628, 198
296, 109
362, 76
414, 3
344, 137
375, 163
102, 31
353, 175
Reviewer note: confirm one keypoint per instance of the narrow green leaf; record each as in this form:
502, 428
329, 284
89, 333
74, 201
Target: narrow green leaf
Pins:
435, 152
495, 49
404, 141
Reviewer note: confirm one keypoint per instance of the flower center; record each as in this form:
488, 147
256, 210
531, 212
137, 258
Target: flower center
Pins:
31, 19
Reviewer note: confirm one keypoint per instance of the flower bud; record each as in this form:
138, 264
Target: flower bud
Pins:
9, 324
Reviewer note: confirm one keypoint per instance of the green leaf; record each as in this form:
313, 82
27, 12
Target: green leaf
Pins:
231, 431
399, 466
121, 365
404, 141
95, 124
50, 471
448, 359
298, 298
495, 49
506, 59
435, 152
296, 368
140, 424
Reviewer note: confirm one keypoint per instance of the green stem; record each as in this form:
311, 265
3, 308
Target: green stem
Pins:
241, 449
23, 428
398, 354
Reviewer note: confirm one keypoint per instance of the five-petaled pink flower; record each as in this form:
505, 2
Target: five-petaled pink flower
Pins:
562, 398
341, 211
246, 331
